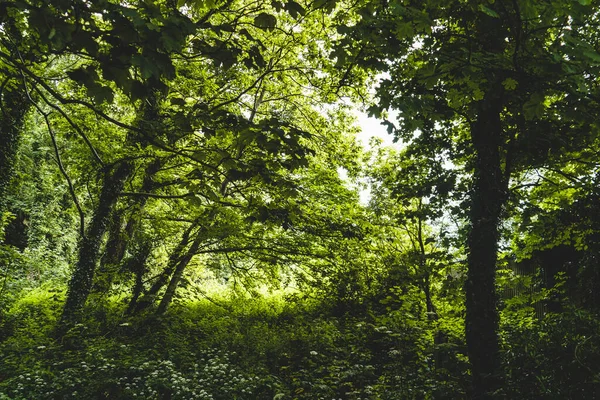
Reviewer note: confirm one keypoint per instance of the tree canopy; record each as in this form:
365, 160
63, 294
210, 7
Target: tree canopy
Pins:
184, 179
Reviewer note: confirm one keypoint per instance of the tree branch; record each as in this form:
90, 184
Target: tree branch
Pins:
74, 125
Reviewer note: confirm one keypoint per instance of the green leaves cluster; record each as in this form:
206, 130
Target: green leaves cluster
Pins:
232, 119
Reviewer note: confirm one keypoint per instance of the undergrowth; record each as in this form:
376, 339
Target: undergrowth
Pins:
279, 348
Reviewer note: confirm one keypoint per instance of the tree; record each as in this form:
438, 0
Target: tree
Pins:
220, 107
89, 249
148, 52
555, 228
478, 84
407, 202
40, 34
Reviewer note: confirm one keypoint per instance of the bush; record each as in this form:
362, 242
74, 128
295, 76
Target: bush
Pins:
557, 357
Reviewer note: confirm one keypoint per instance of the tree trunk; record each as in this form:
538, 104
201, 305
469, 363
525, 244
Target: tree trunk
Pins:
178, 254
113, 254
14, 105
423, 269
138, 266
487, 199
116, 244
177, 275
431, 309
89, 247
488, 196
119, 237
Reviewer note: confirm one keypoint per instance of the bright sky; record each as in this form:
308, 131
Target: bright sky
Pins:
371, 127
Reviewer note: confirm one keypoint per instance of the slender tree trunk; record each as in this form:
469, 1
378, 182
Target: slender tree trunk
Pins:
487, 199
113, 254
150, 296
138, 267
431, 309
116, 244
177, 275
89, 246
119, 237
423, 268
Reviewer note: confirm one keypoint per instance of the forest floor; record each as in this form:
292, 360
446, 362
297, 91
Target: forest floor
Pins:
269, 348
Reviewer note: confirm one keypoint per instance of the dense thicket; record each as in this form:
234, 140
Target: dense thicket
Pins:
186, 212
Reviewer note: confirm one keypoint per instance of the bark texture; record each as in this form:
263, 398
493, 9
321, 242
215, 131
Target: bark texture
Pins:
138, 266
177, 275
488, 197
81, 281
176, 257
121, 235
487, 200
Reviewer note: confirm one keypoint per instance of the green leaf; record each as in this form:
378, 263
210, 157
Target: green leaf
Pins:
100, 93
277, 5
488, 11
138, 90
147, 68
294, 9
265, 21
211, 194
592, 55
225, 57
163, 63
84, 40
327, 5
153, 64
529, 9
404, 30
79, 75
118, 74
478, 94
509, 84
534, 107
247, 34
170, 43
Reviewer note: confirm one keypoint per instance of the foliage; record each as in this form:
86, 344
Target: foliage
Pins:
259, 349
185, 211
549, 359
